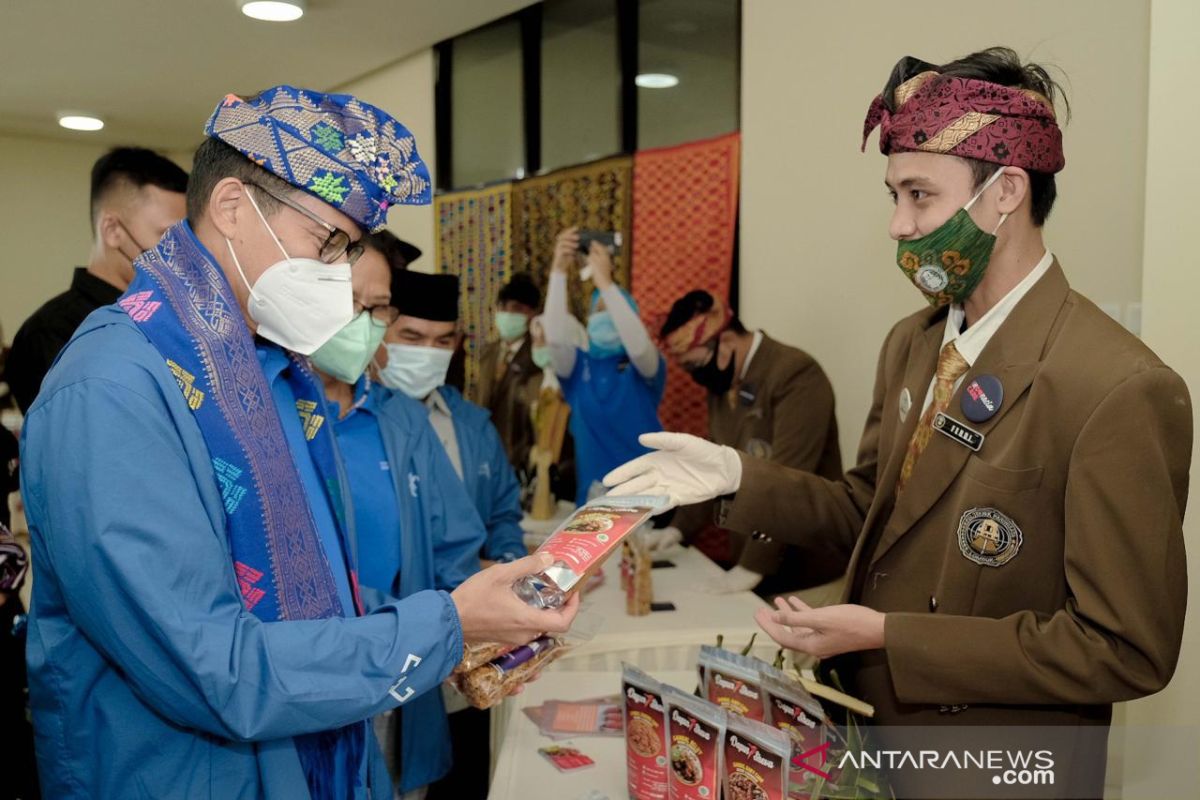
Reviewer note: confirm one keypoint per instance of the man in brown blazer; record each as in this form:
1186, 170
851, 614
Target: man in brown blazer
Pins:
509, 381
766, 399
1014, 522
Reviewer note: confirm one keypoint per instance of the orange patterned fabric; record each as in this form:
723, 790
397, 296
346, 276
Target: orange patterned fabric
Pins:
950, 367
684, 224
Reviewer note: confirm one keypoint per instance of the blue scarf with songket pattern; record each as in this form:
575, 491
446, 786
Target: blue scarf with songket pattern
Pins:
182, 302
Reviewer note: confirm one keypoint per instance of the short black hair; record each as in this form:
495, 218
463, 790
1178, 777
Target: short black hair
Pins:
1002, 65
138, 167
685, 308
399, 253
214, 161
521, 288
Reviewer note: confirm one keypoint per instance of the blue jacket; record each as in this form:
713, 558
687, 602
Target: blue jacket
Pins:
489, 478
441, 536
148, 678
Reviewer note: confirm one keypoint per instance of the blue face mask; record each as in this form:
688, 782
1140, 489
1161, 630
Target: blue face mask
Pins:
603, 339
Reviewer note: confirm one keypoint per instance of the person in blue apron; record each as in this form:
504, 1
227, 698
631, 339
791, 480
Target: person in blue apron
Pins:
417, 529
418, 348
615, 384
197, 628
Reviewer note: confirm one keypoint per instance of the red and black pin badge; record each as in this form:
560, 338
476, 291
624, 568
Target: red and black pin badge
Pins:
982, 397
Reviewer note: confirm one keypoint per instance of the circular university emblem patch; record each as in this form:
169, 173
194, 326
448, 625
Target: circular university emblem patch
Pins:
988, 537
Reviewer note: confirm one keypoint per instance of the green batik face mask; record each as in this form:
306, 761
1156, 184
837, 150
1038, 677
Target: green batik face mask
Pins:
947, 264
347, 354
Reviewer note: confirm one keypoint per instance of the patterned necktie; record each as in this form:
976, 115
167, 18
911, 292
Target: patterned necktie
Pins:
950, 367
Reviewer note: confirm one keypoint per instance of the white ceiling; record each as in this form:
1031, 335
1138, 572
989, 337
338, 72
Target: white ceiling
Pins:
155, 69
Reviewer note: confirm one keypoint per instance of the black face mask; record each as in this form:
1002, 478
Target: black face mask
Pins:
716, 380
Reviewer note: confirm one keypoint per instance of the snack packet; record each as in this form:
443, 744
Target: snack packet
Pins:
476, 655
791, 709
581, 545
603, 717
756, 760
564, 758
645, 734
485, 686
695, 730
733, 681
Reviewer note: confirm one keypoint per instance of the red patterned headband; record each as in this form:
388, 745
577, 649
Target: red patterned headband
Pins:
699, 329
969, 118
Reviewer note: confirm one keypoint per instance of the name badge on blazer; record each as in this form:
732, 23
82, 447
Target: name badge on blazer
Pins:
958, 431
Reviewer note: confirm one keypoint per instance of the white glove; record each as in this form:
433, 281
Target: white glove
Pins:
737, 579
663, 540
685, 468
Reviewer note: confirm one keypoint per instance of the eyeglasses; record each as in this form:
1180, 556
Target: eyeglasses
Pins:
338, 241
385, 315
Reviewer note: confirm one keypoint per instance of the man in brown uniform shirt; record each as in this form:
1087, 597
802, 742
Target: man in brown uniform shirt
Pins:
1014, 522
766, 399
509, 381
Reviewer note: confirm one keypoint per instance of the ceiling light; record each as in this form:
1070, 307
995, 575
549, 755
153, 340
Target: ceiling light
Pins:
80, 122
273, 10
656, 80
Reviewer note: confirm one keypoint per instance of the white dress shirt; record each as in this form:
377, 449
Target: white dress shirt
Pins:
970, 343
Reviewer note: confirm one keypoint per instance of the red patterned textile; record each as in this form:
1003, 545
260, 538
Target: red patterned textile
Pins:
968, 118
684, 221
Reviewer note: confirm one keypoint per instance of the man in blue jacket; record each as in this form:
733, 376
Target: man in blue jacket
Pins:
416, 528
419, 346
197, 629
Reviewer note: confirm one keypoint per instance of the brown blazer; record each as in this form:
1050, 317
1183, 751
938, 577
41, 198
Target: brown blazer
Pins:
782, 411
1087, 455
509, 397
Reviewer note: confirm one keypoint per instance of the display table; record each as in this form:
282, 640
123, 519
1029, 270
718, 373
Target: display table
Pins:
660, 641
666, 640
522, 773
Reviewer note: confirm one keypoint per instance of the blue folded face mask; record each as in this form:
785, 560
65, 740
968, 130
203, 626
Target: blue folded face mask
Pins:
603, 339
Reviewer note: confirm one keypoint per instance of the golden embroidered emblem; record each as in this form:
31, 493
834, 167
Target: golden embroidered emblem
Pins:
186, 381
310, 421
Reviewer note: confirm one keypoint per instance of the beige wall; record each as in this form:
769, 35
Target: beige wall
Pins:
405, 90
817, 267
44, 204
44, 214
1170, 287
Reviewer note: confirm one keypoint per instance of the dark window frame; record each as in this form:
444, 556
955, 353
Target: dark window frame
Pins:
530, 21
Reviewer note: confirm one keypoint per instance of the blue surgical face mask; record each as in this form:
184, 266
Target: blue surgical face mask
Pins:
542, 357
416, 371
347, 354
511, 325
604, 340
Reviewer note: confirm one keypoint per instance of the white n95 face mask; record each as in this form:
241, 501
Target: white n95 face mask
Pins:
298, 303
415, 370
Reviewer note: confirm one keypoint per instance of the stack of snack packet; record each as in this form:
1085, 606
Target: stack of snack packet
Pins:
682, 747
747, 687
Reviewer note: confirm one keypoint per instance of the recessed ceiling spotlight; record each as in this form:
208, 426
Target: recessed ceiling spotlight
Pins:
656, 80
273, 10
80, 122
